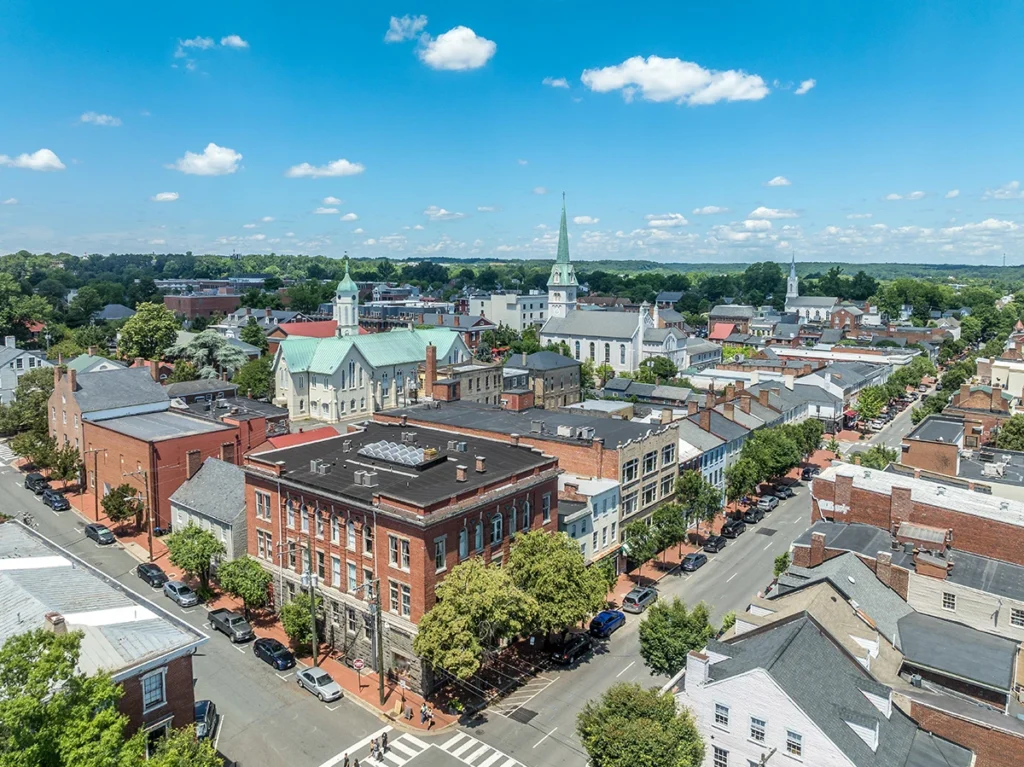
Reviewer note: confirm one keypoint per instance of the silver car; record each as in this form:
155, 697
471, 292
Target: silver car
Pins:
181, 593
319, 682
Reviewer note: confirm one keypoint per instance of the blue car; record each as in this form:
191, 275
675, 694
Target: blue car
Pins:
605, 622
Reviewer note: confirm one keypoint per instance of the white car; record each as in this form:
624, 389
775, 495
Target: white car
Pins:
319, 682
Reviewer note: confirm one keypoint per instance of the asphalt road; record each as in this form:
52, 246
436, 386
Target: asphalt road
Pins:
265, 720
891, 436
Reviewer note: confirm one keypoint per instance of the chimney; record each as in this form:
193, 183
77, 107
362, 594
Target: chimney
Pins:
460, 473
193, 460
138, 362
817, 549
55, 624
691, 406
740, 386
788, 380
705, 420
522, 357
481, 464
9, 342
730, 411
227, 452
248, 311
268, 311
762, 397
456, 320
154, 370
92, 351
423, 317
883, 567
431, 370
745, 404
697, 664
666, 415
224, 375
73, 380
513, 439
56, 375
440, 319
656, 315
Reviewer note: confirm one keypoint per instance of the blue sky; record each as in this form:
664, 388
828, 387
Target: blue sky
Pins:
451, 129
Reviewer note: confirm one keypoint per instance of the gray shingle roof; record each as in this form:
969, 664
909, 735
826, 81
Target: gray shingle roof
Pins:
216, 491
110, 389
863, 539
620, 325
702, 440
990, 575
726, 311
549, 361
722, 426
114, 312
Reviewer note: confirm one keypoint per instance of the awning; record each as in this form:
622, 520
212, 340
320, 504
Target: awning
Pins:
850, 413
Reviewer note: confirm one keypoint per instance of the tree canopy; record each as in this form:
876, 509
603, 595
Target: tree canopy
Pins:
211, 353
252, 333
246, 579
149, 333
193, 549
669, 631
255, 378
1011, 433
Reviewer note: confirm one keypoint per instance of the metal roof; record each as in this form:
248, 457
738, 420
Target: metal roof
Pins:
84, 363
116, 389
153, 427
397, 347
549, 361
935, 428
617, 325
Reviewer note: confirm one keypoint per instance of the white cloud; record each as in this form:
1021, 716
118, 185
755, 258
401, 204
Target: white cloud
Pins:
332, 201
709, 210
522, 161
358, 230
337, 168
350, 217
257, 237
370, 241
487, 208
540, 190
202, 43
684, 82
158, 242
233, 41
164, 197
665, 220
267, 219
41, 160
248, 226
855, 216
892, 197
915, 195
764, 212
457, 49
404, 28
757, 225
952, 194
214, 161
322, 211
434, 213
779, 181
805, 86
418, 227
555, 82
989, 225
10, 201
289, 234
585, 220
94, 118
1010, 191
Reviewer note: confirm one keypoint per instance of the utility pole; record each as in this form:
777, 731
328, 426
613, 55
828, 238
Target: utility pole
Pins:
379, 625
95, 481
312, 605
147, 505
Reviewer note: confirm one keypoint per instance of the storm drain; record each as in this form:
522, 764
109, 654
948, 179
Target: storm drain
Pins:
522, 715
766, 531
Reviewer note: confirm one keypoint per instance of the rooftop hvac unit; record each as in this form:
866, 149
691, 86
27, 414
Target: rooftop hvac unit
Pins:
324, 468
915, 680
462, 447
346, 446
314, 465
360, 476
586, 432
408, 437
453, 445
564, 431
370, 479
536, 427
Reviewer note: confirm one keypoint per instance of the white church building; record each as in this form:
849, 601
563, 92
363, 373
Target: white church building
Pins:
816, 309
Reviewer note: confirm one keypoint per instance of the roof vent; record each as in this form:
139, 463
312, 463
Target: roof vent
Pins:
940, 489
314, 465
346, 446
536, 427
370, 479
324, 468
1004, 505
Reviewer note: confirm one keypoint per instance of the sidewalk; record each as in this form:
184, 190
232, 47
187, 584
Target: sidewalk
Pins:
135, 542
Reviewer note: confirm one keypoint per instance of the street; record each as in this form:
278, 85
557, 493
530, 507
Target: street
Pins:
891, 436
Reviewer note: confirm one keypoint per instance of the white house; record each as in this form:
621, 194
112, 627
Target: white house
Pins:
213, 498
592, 515
14, 363
809, 308
514, 310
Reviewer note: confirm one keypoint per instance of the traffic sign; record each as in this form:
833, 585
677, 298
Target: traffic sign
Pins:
358, 664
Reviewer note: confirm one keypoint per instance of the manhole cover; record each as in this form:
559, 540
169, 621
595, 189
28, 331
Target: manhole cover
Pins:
766, 531
522, 715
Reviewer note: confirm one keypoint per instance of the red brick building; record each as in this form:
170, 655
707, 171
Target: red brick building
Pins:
203, 305
928, 514
846, 317
986, 407
393, 505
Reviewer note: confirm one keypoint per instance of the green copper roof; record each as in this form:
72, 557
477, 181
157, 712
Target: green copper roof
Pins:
562, 273
398, 347
347, 284
563, 238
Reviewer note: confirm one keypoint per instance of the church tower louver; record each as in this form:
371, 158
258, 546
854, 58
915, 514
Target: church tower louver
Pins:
346, 306
793, 283
562, 283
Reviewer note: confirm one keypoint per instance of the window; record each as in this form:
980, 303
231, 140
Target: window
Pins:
336, 572
650, 462
622, 354
304, 519
948, 601
321, 567
335, 529
794, 743
1016, 617
628, 504
495, 529
604, 537
264, 545
262, 505
757, 728
291, 554
607, 353
76, 420
666, 485
479, 537
406, 601
526, 516
650, 493
545, 505
593, 544
393, 601
668, 455
613, 531
721, 715
350, 535
439, 553
405, 555
721, 757
319, 526
592, 350
393, 551
351, 624
368, 539
153, 694
353, 582
629, 470
368, 583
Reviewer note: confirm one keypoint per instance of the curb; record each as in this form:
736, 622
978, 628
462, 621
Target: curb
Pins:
398, 724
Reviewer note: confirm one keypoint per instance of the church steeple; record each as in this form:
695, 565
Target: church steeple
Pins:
562, 283
346, 305
793, 283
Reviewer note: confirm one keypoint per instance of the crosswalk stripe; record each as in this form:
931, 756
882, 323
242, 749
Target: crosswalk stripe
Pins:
491, 759
416, 742
402, 747
458, 752
399, 761
510, 763
458, 736
479, 752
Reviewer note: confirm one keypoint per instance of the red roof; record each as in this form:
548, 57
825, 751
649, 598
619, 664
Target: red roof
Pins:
324, 329
721, 331
38, 327
302, 437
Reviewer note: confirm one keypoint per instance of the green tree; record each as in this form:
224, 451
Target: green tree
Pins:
211, 353
833, 446
246, 579
605, 372
183, 371
550, 569
741, 479
477, 607
629, 726
669, 631
639, 542
297, 621
781, 564
193, 550
729, 351
40, 449
52, 715
1011, 434
149, 333
253, 334
701, 500
67, 463
878, 457
870, 402
659, 368
18, 307
728, 621
587, 375
123, 503
27, 413
64, 350
180, 748
306, 297
669, 522
811, 432
255, 377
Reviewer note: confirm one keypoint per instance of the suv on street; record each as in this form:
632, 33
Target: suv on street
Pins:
809, 472
55, 500
714, 544
273, 652
767, 503
784, 491
733, 528
99, 533
206, 718
37, 483
151, 574
753, 515
638, 600
605, 622
574, 647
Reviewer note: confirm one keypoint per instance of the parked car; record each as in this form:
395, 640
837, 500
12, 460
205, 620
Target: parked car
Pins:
694, 561
809, 472
714, 544
55, 500
319, 682
605, 622
37, 483
151, 574
639, 599
574, 648
753, 515
99, 533
181, 593
922, 388
784, 491
767, 503
273, 652
206, 718
733, 528
231, 624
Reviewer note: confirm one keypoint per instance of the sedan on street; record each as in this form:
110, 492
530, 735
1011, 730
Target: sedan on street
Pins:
99, 533
605, 622
784, 491
151, 574
714, 544
319, 683
181, 593
55, 500
694, 561
273, 652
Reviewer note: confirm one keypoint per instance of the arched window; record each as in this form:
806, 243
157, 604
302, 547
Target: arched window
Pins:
622, 354
341, 383
496, 523
577, 350
463, 543
592, 350
384, 384
607, 352
526, 515
479, 536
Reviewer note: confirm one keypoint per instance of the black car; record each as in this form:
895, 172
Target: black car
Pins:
753, 515
784, 491
206, 718
55, 500
809, 472
37, 483
575, 647
694, 561
733, 528
151, 574
99, 533
714, 544
273, 652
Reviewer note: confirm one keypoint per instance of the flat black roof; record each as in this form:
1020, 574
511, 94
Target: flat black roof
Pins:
431, 482
938, 429
245, 408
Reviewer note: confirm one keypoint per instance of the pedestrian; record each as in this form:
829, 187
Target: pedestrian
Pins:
356, 762
384, 743
430, 718
345, 763
423, 713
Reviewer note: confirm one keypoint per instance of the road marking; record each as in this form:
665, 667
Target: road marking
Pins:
732, 576
480, 752
240, 649
285, 677
766, 547
331, 709
627, 668
550, 733
220, 729
355, 747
